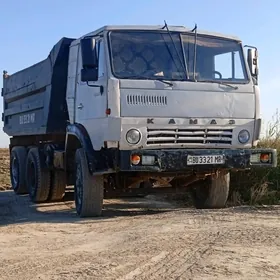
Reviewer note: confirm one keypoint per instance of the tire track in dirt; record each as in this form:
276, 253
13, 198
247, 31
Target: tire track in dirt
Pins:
165, 264
139, 270
186, 265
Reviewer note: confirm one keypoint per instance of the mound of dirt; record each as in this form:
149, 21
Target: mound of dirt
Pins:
5, 183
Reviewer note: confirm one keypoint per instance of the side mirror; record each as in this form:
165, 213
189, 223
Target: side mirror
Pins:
89, 75
89, 54
252, 58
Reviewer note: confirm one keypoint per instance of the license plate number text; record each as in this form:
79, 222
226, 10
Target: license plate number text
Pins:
206, 159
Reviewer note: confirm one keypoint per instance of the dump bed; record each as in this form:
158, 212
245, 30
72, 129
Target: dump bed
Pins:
34, 98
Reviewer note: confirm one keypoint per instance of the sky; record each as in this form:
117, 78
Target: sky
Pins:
30, 28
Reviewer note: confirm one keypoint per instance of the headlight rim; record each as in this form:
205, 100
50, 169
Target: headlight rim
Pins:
249, 136
140, 136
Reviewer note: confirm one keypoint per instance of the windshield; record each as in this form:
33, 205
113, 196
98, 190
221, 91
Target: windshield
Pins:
159, 55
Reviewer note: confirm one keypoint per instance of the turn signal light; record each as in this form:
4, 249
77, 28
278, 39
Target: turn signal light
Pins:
135, 159
264, 157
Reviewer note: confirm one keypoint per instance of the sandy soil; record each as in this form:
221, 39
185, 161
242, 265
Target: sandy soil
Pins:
4, 169
145, 238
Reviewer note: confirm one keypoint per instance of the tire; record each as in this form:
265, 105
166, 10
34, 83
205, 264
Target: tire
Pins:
213, 192
88, 189
17, 169
38, 179
58, 185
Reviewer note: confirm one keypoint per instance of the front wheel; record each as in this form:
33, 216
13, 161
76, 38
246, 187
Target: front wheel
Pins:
212, 192
88, 188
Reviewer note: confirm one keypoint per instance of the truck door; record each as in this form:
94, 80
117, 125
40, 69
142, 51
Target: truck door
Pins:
90, 102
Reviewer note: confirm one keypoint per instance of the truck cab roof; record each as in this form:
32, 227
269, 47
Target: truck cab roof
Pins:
157, 28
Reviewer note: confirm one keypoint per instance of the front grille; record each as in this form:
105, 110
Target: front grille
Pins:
189, 136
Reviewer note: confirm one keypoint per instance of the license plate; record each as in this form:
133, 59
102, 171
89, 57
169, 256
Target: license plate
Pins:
207, 159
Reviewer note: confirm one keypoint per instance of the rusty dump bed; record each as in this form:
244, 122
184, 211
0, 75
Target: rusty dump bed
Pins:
34, 98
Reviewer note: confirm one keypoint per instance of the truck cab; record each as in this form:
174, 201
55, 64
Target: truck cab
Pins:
158, 105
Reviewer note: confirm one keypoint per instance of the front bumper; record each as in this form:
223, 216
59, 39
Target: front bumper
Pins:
176, 160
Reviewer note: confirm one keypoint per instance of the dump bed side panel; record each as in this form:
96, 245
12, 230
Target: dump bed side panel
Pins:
34, 98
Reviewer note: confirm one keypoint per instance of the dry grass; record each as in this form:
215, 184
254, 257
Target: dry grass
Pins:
260, 186
4, 169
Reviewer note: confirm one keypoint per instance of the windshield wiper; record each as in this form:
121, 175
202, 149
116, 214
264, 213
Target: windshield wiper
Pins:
218, 82
182, 63
194, 50
150, 78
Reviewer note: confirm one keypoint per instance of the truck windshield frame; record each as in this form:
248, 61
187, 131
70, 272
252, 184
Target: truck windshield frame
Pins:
151, 55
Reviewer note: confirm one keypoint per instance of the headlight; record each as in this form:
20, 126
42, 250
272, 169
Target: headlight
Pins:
133, 136
243, 136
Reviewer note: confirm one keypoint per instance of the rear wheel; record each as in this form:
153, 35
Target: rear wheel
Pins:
38, 179
212, 192
88, 189
17, 169
58, 185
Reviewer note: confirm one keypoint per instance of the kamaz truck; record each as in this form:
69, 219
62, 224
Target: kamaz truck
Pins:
135, 109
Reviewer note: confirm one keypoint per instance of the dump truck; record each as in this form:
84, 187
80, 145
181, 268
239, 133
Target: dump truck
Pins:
135, 109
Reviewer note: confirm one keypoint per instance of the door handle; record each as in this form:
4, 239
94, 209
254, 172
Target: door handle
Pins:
81, 106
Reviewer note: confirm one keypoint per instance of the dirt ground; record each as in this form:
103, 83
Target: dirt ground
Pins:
146, 238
